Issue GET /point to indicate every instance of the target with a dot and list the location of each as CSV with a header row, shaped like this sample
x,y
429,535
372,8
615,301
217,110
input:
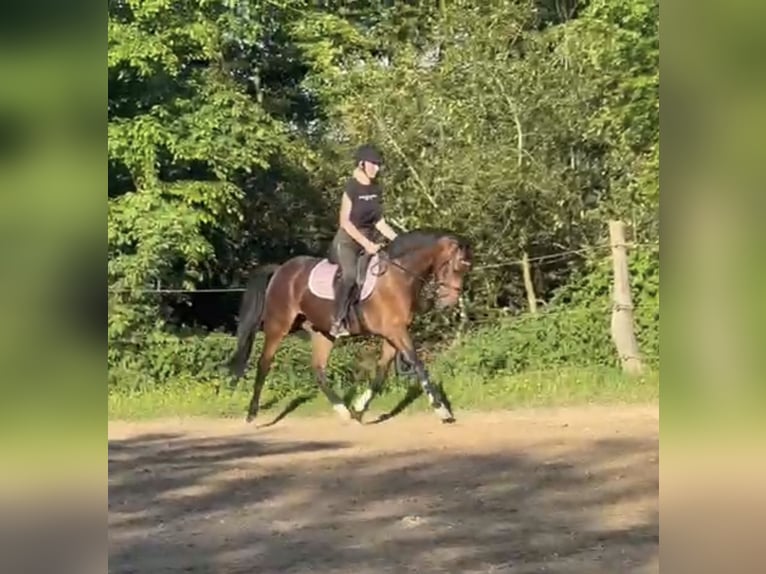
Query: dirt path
x,y
565,490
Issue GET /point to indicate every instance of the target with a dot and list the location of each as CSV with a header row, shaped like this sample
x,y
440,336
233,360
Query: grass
x,y
574,386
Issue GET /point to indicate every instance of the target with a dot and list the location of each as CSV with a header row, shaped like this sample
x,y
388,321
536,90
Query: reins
x,y
383,256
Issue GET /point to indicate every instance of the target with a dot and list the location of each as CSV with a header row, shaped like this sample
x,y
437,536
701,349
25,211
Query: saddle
x,y
325,273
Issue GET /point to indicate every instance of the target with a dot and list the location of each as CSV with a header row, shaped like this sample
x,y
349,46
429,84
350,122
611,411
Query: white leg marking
x,y
429,394
360,405
342,411
443,413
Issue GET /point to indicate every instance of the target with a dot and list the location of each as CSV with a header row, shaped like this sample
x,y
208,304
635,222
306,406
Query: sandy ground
x,y
564,490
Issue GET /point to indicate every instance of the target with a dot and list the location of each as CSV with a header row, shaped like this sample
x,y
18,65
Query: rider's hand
x,y
373,248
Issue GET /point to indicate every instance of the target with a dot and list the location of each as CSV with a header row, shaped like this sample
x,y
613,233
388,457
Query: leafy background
x,y
525,125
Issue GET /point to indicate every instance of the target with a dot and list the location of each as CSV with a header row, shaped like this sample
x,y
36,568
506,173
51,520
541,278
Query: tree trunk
x,y
528,285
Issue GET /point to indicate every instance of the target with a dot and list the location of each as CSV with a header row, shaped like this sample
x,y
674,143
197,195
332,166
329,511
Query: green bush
x,y
167,359
591,288
529,343
571,332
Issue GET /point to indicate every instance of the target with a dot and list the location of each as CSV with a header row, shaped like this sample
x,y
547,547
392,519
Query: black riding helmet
x,y
368,153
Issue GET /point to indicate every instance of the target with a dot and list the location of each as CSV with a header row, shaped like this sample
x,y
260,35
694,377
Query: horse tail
x,y
250,317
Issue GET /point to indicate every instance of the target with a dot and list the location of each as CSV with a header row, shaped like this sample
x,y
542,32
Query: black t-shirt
x,y
366,204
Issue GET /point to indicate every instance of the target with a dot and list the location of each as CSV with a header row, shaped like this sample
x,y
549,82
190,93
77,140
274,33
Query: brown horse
x,y
280,300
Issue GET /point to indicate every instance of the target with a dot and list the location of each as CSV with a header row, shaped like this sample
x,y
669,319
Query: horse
x,y
297,294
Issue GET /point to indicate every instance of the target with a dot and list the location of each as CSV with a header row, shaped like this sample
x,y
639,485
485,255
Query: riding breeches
x,y
346,252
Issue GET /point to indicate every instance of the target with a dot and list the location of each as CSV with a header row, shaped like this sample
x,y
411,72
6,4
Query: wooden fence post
x,y
528,285
623,330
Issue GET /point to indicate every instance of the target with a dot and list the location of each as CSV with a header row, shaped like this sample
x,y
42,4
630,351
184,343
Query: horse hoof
x,y
357,415
449,420
250,417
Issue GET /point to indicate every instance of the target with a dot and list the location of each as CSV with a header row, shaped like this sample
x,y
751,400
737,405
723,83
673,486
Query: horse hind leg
x,y
321,346
275,331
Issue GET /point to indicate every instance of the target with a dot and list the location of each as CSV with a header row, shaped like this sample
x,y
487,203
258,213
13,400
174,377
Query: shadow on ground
x,y
264,506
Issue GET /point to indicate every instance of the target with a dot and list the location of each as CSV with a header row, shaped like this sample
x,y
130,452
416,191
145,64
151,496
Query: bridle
x,y
383,257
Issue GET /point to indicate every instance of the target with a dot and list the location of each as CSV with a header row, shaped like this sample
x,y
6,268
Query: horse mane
x,y
421,238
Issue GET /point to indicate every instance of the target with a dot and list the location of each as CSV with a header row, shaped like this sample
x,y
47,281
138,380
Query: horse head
x,y
440,253
452,261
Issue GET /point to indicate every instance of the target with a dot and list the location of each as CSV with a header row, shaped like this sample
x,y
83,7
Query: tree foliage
x,y
524,125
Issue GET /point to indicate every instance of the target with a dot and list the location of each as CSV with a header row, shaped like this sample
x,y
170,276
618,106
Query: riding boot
x,y
342,295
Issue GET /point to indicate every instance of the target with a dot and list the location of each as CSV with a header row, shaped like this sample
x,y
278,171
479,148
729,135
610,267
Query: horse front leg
x,y
387,354
403,343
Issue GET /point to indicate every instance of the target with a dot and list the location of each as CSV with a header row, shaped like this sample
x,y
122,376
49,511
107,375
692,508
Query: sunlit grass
x,y
541,388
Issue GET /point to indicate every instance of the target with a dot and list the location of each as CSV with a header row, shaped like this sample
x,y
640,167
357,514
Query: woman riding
x,y
361,214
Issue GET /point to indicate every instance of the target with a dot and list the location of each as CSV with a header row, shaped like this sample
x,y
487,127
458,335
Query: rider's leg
x,y
346,254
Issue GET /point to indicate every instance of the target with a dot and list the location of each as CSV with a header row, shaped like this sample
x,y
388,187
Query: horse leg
x,y
403,343
321,346
384,362
274,332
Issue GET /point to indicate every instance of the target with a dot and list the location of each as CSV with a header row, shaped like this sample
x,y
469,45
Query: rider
x,y
361,214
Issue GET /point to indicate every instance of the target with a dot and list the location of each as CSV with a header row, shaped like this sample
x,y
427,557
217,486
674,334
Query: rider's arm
x,y
350,228
383,226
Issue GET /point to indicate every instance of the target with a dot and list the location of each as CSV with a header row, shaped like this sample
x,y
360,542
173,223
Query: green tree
x,y
524,125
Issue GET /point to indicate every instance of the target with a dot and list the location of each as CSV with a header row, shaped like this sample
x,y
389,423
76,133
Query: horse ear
x,y
454,246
